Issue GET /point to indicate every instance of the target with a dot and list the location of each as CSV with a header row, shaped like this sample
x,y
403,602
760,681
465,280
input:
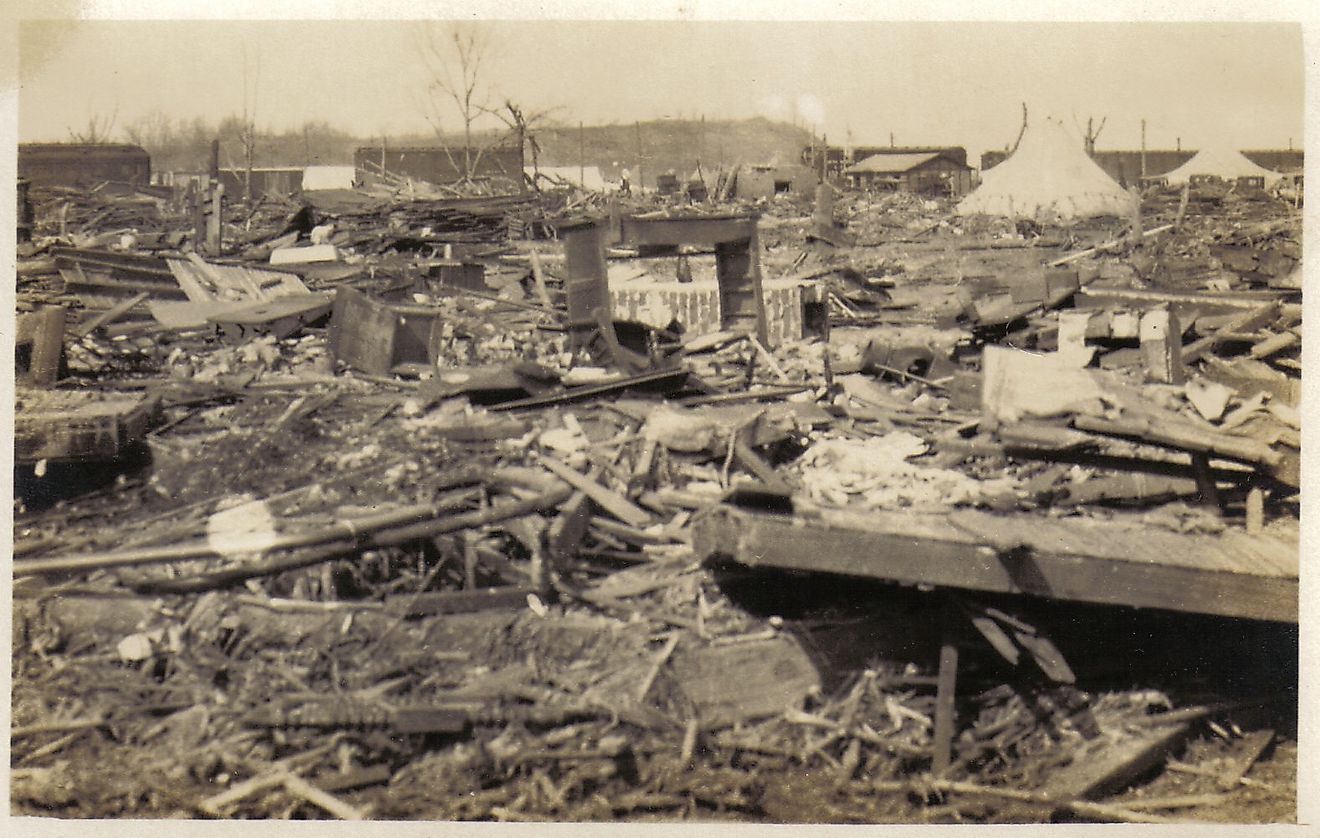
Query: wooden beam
x,y
945,703
607,499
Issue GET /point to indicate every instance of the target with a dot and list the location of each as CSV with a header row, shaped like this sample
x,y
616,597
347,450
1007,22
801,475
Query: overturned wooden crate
x,y
64,426
376,336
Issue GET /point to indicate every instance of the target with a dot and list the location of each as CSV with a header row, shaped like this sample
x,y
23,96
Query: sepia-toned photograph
x,y
675,421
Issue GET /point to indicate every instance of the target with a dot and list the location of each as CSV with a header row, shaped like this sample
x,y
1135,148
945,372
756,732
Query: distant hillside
x,y
668,144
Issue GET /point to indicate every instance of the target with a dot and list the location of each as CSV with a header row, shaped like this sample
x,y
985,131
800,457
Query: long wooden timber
x,y
1112,562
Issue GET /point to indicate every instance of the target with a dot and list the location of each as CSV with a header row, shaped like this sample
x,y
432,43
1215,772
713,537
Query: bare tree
x,y
248,132
99,127
525,128
1092,133
455,55
154,131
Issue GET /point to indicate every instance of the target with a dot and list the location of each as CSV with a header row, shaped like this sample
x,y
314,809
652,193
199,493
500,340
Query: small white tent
x,y
1049,177
1226,163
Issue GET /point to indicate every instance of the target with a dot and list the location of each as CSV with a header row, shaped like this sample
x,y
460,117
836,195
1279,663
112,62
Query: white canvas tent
x,y
1049,177
328,177
1226,163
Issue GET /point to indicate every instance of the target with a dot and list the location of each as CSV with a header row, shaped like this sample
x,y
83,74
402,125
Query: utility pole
x,y
582,156
891,139
1143,149
701,146
641,174
1180,143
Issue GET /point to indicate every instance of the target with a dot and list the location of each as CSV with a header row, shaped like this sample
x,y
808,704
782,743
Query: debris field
x,y
409,503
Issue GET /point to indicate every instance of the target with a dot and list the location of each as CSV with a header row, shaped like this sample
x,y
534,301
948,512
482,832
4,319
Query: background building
x,y
83,164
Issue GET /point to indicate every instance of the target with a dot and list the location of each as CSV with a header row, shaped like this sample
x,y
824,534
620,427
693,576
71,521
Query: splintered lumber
x,y
610,501
752,462
1113,561
1247,321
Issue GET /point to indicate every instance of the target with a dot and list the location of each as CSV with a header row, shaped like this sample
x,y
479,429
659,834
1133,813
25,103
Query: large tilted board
x,y
1229,573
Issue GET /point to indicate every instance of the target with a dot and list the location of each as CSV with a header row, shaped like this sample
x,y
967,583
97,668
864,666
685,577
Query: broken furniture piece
x,y
741,300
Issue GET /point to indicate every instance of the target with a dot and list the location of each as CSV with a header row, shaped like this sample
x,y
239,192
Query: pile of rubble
x,y
375,508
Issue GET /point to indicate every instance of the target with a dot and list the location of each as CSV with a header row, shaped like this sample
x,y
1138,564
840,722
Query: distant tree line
x,y
185,144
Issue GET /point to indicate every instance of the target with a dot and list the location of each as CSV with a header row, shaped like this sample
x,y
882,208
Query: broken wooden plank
x,y
538,276
1249,750
744,681
42,331
1109,764
1273,345
750,461
607,499
945,704
1109,245
458,602
568,529
1180,434
109,316
1131,486
1255,510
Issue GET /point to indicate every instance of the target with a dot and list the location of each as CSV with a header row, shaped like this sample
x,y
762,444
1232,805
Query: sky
x,y
925,83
